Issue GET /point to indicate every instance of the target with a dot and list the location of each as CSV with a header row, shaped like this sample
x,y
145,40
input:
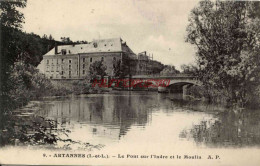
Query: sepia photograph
x,y
130,82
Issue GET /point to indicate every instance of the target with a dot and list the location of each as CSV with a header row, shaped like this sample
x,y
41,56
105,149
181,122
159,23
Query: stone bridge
x,y
177,83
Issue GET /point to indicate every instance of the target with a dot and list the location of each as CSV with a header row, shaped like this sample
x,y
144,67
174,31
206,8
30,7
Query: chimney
x,y
56,49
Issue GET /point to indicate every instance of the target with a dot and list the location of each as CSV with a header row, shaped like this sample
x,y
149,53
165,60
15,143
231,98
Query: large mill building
x,y
73,61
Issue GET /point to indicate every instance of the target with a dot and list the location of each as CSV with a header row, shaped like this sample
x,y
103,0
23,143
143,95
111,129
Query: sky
x,y
155,26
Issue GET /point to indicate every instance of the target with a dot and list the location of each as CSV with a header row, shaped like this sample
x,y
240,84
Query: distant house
x,y
73,61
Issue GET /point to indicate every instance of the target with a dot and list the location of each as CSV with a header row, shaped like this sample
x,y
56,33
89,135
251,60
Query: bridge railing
x,y
164,76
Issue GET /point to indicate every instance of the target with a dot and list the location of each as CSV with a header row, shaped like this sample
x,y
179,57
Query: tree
x,y
121,68
45,36
97,70
227,39
189,69
10,16
11,22
51,38
169,71
66,40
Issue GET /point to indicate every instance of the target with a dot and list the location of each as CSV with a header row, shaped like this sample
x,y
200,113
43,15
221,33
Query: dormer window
x,y
95,44
63,51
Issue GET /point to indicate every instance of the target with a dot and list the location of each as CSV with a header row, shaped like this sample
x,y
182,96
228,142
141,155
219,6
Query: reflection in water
x,y
229,129
112,118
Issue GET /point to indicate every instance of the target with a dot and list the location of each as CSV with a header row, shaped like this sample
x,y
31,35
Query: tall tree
x,y
51,38
227,36
11,21
96,70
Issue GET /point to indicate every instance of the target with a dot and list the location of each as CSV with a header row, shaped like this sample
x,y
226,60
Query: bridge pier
x,y
162,89
184,91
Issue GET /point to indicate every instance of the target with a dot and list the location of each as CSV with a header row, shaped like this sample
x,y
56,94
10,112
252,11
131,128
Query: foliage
x,y
97,70
121,68
227,39
169,71
66,40
10,17
81,87
189,69
20,81
11,20
210,95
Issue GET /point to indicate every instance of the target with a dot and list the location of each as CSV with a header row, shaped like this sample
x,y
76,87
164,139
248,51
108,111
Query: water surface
x,y
142,119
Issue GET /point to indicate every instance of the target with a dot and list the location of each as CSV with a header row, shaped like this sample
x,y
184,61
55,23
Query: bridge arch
x,y
185,82
181,81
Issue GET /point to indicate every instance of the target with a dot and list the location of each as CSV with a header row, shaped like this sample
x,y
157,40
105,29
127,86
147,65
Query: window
x,y
77,72
62,60
83,66
90,60
102,58
57,61
83,59
62,72
52,69
47,69
70,61
57,68
69,66
83,71
69,74
63,51
95,44
47,61
114,59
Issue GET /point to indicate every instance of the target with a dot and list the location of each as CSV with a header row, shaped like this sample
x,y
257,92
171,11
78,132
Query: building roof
x,y
104,45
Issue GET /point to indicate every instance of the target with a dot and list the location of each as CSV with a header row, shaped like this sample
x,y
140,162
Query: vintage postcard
x,y
130,82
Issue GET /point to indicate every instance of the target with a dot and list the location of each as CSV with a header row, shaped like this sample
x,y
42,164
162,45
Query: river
x,y
141,122
151,117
